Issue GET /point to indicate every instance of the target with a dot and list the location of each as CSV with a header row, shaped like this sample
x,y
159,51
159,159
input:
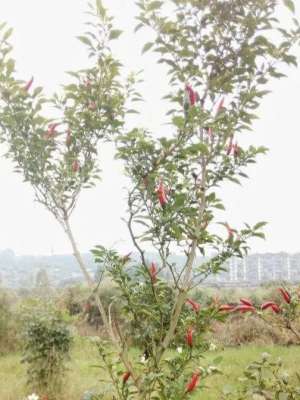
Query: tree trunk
x,y
108,327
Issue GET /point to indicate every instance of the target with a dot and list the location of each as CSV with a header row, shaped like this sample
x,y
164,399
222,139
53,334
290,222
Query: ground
x,y
84,372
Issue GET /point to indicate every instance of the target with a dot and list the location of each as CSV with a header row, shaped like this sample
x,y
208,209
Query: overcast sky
x,y
45,47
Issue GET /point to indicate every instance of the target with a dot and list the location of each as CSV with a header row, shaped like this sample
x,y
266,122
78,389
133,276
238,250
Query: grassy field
x,y
83,376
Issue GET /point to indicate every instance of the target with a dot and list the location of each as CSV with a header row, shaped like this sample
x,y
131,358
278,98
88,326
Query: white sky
x,y
45,47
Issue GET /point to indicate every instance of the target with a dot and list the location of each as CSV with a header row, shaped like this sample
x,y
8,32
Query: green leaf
x,y
7,34
85,40
179,122
154,5
259,235
138,27
147,47
10,66
114,34
37,91
101,10
259,225
290,5
198,148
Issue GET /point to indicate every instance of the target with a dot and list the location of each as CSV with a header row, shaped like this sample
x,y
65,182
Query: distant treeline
x,y
62,270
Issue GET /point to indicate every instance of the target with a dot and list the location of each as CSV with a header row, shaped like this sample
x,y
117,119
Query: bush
x,y
47,343
238,330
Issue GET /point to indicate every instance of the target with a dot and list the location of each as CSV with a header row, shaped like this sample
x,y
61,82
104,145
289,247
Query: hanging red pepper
x,y
189,337
243,308
75,166
272,305
126,376
230,146
153,272
194,304
267,305
236,150
191,97
51,132
192,384
285,294
28,85
161,194
246,302
276,308
230,231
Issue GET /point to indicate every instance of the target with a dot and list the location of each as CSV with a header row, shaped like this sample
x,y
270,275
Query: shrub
x,y
238,330
47,343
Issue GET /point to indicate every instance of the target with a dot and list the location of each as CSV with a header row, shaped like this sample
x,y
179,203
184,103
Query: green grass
x,y
236,359
83,376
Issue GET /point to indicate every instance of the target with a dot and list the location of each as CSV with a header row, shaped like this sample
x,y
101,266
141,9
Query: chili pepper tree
x,y
221,58
59,156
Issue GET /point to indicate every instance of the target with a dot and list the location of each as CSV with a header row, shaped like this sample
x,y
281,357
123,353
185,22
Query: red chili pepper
x,y
243,308
221,105
272,305
285,294
75,166
275,308
51,133
247,302
28,85
161,193
226,307
267,305
194,304
191,97
230,146
192,384
153,272
230,231
189,337
236,150
126,376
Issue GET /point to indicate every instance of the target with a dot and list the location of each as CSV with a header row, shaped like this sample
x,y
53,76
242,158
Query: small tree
x,y
47,343
220,57
59,157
